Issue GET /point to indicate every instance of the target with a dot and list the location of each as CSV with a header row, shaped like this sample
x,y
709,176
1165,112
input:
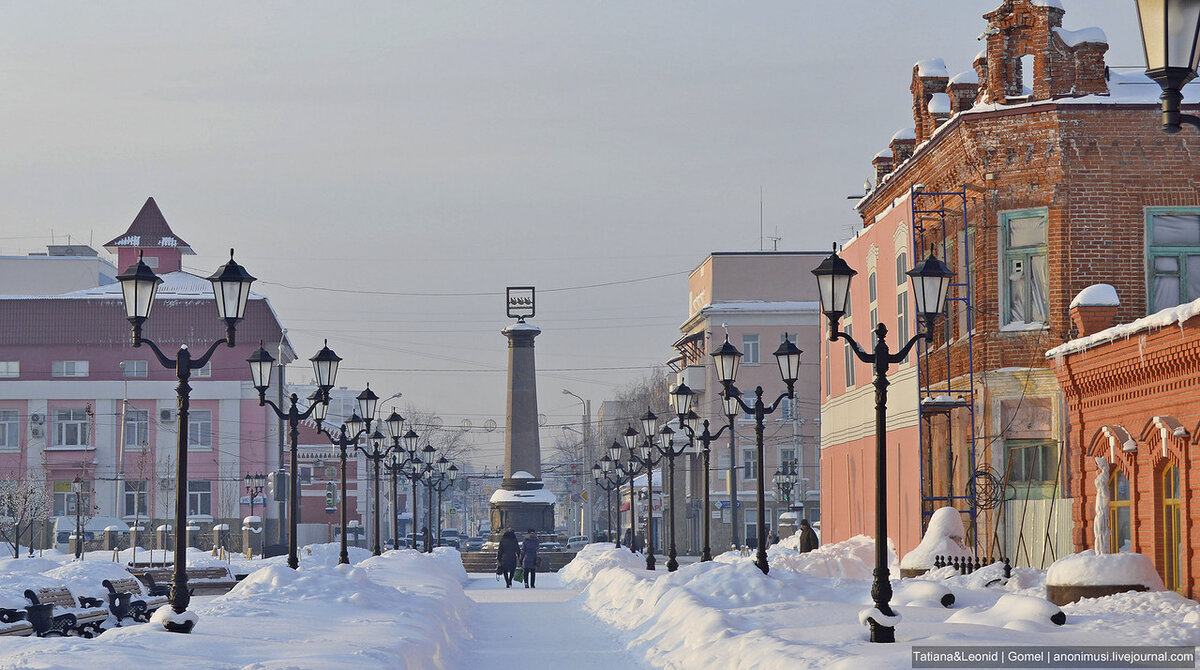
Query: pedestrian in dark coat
x,y
506,557
529,555
808,537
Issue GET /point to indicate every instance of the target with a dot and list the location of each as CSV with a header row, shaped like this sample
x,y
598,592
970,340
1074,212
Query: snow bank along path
x,y
542,627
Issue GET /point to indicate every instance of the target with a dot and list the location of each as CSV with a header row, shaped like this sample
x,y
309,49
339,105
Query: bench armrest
x,y
11,616
85,601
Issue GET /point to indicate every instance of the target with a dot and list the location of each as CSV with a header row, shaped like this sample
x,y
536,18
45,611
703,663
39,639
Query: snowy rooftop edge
x,y
1160,319
174,285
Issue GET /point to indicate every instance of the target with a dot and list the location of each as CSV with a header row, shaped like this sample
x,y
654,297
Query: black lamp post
x,y
254,487
631,469
442,480
615,474
1171,37
646,451
411,469
325,365
231,287
682,401
428,473
378,452
601,474
931,282
785,481
666,447
354,428
77,491
727,359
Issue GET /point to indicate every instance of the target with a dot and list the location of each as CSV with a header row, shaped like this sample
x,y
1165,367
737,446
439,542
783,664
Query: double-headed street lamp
x,y
666,447
609,475
785,482
378,452
354,428
727,360
254,487
325,365
404,455
440,478
1171,37
931,282
644,449
682,401
231,287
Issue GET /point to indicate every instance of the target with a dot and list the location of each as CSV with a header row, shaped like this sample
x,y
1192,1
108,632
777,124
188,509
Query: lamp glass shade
x,y
411,440
320,408
452,471
931,284
649,423
631,439
354,424
1170,33
325,366
614,451
367,400
262,363
691,420
139,285
729,400
606,464
442,464
643,449
260,480
788,358
377,440
682,398
395,425
231,286
596,471
429,452
668,437
833,285
726,359
249,480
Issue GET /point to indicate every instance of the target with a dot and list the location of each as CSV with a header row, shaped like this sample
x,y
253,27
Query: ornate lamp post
x,y
1171,37
666,447
354,428
727,359
411,468
601,472
77,491
682,401
646,451
441,481
632,467
325,365
231,287
378,452
930,281
254,487
428,474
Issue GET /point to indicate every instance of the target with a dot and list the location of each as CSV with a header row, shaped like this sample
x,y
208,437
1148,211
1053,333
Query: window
x,y
1033,461
9,423
902,318
71,428
200,429
1119,517
1174,257
786,456
785,409
10,369
1171,511
1025,291
850,358
64,499
901,268
749,463
749,349
199,497
874,320
204,372
137,428
69,369
871,287
134,368
135,498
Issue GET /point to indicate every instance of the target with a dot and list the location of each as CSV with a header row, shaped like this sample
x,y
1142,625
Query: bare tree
x,y
450,441
23,502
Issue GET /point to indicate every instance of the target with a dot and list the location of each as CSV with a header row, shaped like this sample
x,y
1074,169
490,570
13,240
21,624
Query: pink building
x,y
77,400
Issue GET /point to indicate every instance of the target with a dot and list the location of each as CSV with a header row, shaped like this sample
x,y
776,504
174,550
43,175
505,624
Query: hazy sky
x,y
387,168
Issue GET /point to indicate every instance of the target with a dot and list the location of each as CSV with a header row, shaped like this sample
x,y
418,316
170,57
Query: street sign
x,y
724,504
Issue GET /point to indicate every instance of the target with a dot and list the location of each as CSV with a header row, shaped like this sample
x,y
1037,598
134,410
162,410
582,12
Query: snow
x,y
534,496
521,474
1161,319
1012,611
943,537
521,326
909,133
745,306
886,153
1088,568
932,67
1097,294
965,77
1055,4
939,103
1073,38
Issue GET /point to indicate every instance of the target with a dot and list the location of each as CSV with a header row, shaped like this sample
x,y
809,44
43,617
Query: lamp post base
x,y
175,622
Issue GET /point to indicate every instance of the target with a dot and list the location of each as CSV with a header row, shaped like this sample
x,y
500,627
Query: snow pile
x,y
596,557
1097,294
852,559
1073,38
1090,569
1015,612
943,537
923,593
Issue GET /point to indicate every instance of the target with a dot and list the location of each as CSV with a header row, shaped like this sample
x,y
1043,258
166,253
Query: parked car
x,y
474,544
448,542
576,543
550,546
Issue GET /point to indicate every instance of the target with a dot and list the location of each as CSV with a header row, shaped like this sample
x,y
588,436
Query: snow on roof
x,y
909,133
1161,319
939,103
1089,568
965,77
932,67
886,153
538,496
174,285
732,306
1055,4
1097,294
982,55
521,326
1076,37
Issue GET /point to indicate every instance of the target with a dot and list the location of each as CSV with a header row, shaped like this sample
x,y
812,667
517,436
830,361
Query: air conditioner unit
x,y
37,418
166,415
164,484
35,431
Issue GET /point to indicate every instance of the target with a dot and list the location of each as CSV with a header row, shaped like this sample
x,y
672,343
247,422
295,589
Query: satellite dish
x,y
489,425
466,424
541,420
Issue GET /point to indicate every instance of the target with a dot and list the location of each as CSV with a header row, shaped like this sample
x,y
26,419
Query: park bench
x,y
12,622
201,581
84,615
126,599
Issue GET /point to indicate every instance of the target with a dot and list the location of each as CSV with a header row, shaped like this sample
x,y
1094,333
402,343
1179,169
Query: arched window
x,y
1172,545
1119,513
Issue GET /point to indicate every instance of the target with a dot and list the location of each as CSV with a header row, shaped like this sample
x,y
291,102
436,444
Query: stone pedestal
x,y
111,538
252,535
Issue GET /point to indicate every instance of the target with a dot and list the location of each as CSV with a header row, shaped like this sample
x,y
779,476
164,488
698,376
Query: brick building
x,y
1035,173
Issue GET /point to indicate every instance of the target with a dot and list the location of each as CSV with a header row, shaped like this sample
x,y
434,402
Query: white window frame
x,y
1025,256
137,425
1181,252
69,369
10,369
135,369
204,372
68,418
200,430
135,492
199,497
10,430
749,466
750,349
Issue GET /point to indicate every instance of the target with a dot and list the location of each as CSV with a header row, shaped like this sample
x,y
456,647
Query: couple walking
x,y
510,553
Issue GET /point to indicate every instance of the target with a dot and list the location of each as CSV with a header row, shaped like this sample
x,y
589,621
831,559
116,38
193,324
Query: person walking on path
x,y
506,557
529,555
808,537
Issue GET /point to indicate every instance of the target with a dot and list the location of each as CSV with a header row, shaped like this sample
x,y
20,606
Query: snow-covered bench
x,y
12,622
126,599
206,580
84,615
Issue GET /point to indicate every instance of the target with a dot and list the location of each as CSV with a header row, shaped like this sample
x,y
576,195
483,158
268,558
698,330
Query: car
x,y
474,544
448,542
576,543
550,546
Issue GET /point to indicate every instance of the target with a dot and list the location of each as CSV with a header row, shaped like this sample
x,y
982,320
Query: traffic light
x,y
277,484
330,496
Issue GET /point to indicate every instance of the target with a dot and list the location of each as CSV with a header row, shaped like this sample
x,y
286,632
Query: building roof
x,y
150,230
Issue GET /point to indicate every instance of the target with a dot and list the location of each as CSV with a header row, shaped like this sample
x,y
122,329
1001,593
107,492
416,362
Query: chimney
x,y
929,77
884,162
1095,309
963,91
939,110
903,144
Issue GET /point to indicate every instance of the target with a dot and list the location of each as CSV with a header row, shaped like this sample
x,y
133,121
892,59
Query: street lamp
x,y
682,401
646,450
931,282
77,491
427,475
378,452
441,481
354,428
325,365
631,469
726,359
730,401
411,469
254,487
1171,38
785,481
603,473
231,288
666,447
